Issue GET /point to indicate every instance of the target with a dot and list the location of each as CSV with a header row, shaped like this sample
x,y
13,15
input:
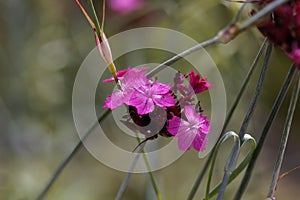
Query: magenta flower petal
x,y
146,95
191,114
185,142
190,132
160,88
115,100
173,125
205,124
199,85
146,107
107,102
142,103
132,78
165,100
200,142
120,75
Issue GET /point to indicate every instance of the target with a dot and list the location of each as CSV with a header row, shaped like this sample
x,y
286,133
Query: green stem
x,y
177,57
256,93
244,85
264,133
126,180
214,156
95,17
235,151
229,168
285,135
238,15
64,163
241,166
154,184
229,116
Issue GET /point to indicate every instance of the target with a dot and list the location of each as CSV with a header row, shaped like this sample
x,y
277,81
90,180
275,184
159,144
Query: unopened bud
x,y
105,52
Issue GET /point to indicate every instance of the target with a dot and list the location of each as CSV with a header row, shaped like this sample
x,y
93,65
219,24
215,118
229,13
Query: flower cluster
x,y
282,28
157,108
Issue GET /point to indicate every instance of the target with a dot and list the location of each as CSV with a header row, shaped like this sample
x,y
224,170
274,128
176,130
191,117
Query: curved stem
x,y
235,151
285,135
229,168
264,133
214,156
256,93
240,167
229,116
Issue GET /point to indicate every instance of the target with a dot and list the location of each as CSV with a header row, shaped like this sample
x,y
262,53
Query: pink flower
x,y
134,78
120,75
191,131
124,6
199,85
146,96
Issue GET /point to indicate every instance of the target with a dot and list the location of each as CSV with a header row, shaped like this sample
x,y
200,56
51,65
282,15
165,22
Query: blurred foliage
x,y
42,44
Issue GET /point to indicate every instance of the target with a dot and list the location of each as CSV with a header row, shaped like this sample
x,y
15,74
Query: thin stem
x,y
200,176
285,135
234,29
267,9
154,184
265,131
239,13
103,15
240,167
225,35
235,151
256,93
228,117
95,17
244,85
174,59
126,180
64,163
230,166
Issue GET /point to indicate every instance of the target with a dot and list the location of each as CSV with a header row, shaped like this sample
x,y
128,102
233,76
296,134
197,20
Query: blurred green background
x,y
42,44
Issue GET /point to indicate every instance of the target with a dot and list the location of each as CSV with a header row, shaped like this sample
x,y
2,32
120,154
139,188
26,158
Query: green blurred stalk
x,y
95,17
285,136
64,163
153,182
265,132
231,162
229,115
